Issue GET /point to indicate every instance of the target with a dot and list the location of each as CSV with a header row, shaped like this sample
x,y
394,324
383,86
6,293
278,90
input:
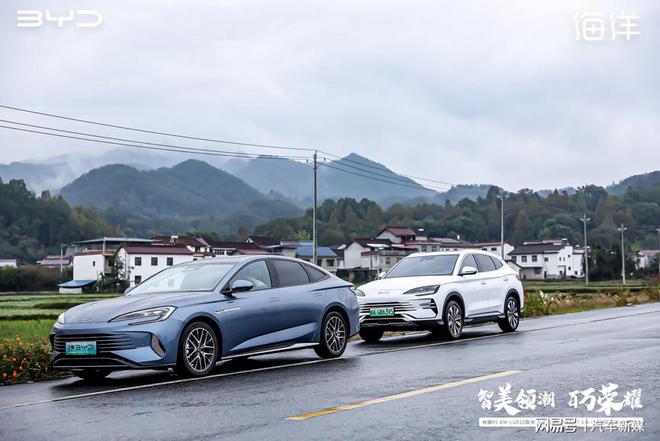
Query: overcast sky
x,y
464,92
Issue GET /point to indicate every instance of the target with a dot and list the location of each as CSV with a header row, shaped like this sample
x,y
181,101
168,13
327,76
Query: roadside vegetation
x,y
25,323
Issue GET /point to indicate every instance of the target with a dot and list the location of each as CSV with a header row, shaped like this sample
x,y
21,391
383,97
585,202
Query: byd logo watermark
x,y
81,18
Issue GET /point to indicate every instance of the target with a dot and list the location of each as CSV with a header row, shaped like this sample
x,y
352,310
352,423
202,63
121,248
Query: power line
x,y
192,149
393,176
362,164
198,138
154,132
166,149
378,179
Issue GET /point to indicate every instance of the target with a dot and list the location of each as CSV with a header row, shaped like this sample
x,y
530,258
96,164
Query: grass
x,y
27,329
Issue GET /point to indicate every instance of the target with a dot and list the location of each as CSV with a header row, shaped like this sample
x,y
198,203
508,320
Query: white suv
x,y
441,292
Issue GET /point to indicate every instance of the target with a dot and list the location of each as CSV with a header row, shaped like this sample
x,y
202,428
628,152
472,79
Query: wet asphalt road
x,y
251,399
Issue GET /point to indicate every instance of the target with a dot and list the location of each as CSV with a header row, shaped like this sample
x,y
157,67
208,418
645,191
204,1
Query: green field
x,y
32,315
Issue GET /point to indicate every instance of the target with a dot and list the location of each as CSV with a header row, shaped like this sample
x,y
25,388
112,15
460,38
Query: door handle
x,y
506,280
274,299
483,282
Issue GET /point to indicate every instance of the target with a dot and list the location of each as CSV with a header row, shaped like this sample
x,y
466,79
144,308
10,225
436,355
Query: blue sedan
x,y
192,315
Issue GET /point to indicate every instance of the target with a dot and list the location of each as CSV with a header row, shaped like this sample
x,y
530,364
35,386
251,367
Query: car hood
x,y
103,311
399,285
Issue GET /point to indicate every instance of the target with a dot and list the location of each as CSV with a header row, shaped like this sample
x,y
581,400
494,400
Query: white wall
x,y
353,255
390,236
90,266
146,269
497,249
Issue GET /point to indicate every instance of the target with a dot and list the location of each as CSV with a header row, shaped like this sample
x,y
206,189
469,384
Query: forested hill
x,y
528,216
31,227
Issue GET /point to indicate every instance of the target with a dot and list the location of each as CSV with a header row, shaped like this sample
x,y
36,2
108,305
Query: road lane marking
x,y
412,393
311,362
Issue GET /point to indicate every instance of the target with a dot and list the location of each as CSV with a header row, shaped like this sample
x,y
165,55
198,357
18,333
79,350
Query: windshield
x,y
442,265
197,277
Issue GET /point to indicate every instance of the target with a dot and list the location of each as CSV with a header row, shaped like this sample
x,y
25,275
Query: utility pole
x,y
658,253
623,228
584,220
501,196
61,259
316,166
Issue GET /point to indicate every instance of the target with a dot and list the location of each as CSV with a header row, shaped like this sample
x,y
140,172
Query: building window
x,y
537,271
170,261
569,268
331,262
138,261
154,261
138,279
493,249
524,258
423,248
545,259
93,262
387,261
534,258
319,262
434,248
513,258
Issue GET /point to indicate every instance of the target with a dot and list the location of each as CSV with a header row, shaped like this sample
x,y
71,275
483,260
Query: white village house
x,y
141,262
548,259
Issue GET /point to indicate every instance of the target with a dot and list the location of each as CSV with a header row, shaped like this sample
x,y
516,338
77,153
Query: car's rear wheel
x,y
199,350
334,336
453,318
371,335
511,318
93,375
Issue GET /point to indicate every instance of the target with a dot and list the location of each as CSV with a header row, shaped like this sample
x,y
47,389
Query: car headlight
x,y
359,292
60,319
146,315
423,290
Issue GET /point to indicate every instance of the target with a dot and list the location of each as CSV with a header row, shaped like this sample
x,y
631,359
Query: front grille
x,y
398,307
104,342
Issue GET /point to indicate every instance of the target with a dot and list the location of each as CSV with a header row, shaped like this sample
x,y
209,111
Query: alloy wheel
x,y
512,314
199,349
454,320
335,334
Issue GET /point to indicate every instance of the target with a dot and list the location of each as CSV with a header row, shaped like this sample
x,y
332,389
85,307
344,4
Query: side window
x,y
496,262
257,273
484,263
468,261
314,274
290,273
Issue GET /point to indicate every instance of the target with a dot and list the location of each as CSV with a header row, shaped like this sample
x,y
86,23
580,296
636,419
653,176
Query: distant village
x,y
132,260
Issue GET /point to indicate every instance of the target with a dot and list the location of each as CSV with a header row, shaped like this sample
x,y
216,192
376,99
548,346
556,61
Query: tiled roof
x,y
320,252
156,249
263,241
363,241
399,231
537,248
192,241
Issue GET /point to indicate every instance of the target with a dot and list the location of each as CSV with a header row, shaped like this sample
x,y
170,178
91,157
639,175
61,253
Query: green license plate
x,y
381,312
80,348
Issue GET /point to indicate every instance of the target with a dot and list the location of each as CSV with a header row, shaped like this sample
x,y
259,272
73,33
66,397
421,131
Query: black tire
x,y
512,314
453,319
93,375
334,336
196,357
371,335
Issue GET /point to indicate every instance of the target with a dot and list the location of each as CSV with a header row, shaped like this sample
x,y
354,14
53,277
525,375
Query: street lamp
x,y
501,196
622,229
584,220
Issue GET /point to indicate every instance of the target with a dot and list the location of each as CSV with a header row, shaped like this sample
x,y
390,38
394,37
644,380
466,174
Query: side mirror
x,y
240,286
381,275
468,271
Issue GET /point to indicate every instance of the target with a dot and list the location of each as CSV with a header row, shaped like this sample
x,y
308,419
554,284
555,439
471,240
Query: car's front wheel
x,y
199,350
453,320
334,336
93,375
511,318
371,335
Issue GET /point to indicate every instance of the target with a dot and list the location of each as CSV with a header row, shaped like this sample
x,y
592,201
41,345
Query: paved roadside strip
x,y
412,393
318,361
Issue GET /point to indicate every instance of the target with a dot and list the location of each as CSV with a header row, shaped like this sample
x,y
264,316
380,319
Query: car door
x,y
252,319
475,297
489,284
302,301
500,285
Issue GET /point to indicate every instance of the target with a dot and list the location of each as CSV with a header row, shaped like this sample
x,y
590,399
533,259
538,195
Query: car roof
x,y
454,253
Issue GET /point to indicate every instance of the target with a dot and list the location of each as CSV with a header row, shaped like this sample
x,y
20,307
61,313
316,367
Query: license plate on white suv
x,y
381,312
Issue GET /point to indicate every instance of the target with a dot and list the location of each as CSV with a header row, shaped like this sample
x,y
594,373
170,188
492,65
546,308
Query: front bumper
x,y
118,345
409,314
